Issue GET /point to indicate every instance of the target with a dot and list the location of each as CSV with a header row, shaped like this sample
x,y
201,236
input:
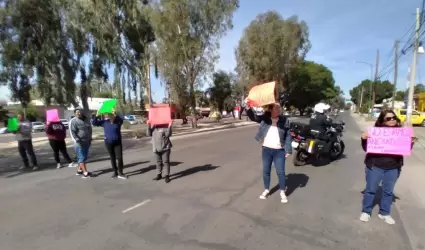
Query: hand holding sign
x,y
392,141
261,95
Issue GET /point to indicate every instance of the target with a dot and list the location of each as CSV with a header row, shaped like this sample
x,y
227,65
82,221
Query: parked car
x,y
417,118
65,123
37,127
3,131
132,121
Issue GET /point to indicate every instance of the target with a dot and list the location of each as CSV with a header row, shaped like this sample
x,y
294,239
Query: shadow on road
x,y
293,181
324,161
109,170
150,168
193,170
378,196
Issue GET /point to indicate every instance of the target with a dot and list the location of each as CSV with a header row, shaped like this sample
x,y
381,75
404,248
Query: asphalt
x,y
211,203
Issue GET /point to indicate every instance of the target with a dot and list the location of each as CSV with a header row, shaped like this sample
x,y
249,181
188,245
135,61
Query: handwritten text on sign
x,y
393,141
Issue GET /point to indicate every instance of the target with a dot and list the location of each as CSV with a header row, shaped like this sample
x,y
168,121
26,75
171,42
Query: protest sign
x,y
107,107
159,114
12,124
52,115
262,94
392,141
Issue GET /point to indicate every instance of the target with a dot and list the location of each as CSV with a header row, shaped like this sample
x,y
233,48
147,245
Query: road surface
x,y
211,203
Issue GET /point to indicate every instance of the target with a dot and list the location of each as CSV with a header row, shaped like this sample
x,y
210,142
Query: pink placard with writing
x,y
52,115
392,141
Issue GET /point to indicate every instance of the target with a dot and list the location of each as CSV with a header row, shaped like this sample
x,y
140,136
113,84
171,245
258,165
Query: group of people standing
x,y
80,130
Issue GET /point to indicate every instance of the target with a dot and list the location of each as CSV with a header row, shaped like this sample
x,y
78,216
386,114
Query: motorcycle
x,y
309,143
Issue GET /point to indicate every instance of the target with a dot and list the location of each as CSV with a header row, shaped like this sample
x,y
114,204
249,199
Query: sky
x,y
341,32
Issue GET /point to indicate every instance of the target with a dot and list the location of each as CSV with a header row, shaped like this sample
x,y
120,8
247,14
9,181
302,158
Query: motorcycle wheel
x,y
337,150
300,158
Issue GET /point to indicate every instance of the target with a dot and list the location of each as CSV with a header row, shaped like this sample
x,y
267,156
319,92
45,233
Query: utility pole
x,y
395,71
372,86
413,72
361,97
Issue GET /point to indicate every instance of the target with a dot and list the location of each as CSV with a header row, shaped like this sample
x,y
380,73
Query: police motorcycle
x,y
312,145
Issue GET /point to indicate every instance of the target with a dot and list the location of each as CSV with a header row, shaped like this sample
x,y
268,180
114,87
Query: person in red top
x,y
56,132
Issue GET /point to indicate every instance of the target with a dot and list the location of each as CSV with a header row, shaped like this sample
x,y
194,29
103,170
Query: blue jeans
x,y
373,177
276,156
82,151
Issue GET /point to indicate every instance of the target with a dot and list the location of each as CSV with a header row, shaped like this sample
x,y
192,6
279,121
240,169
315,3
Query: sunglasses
x,y
387,119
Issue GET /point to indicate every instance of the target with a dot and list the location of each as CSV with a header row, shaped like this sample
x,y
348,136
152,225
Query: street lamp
x,y
371,80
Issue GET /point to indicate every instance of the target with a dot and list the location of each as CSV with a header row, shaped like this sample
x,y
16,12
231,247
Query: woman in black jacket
x,y
381,167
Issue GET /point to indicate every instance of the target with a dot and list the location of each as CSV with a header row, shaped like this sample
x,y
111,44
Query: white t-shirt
x,y
272,139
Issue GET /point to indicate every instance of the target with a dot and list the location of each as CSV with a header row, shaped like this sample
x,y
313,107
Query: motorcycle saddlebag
x,y
316,146
300,128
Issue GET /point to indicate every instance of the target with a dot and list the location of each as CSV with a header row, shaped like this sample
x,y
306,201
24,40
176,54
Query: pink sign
x,y
392,141
52,115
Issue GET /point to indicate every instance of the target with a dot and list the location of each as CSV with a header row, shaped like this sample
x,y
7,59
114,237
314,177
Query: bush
x,y
126,124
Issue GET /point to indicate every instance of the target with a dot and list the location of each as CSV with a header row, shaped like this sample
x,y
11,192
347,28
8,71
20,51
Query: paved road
x,y
211,203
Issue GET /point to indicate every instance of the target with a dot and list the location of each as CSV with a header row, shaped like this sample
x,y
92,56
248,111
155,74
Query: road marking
x,y
136,206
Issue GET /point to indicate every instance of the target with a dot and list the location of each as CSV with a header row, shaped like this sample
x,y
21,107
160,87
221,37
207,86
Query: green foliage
x,y
220,90
384,90
103,94
313,83
31,112
270,49
188,32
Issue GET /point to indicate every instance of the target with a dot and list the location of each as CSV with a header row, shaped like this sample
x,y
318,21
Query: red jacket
x,y
56,131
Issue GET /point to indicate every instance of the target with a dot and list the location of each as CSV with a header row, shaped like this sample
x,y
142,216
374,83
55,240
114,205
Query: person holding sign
x,y
276,140
111,124
381,167
24,138
161,145
56,133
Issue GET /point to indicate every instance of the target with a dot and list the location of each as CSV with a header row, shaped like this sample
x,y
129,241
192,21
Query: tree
x,y
188,32
220,90
270,49
383,90
399,95
419,88
313,83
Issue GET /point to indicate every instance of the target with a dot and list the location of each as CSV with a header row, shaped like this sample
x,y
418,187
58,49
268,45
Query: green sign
x,y
12,124
107,107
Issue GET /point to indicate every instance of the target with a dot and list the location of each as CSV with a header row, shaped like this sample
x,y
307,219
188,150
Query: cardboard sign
x,y
107,107
52,115
392,141
261,95
159,115
12,124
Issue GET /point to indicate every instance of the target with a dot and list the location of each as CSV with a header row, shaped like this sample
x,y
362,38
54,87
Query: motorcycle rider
x,y
320,122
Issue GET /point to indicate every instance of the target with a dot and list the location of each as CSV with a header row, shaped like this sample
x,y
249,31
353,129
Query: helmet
x,y
320,108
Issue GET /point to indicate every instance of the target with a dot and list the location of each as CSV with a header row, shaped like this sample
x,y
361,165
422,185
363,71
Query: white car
x,y
37,127
133,121
65,123
3,131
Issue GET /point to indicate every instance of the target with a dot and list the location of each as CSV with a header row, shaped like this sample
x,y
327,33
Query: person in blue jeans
x,y
275,137
381,168
81,134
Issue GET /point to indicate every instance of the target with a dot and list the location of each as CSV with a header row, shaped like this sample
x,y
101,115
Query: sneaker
x,y
86,175
167,179
58,165
283,197
365,217
23,168
264,195
79,173
387,218
114,176
122,177
72,165
35,168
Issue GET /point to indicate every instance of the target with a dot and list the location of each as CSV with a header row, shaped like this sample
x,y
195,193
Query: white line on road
x,y
136,206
